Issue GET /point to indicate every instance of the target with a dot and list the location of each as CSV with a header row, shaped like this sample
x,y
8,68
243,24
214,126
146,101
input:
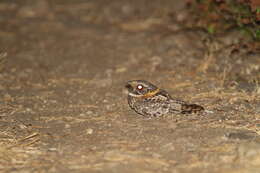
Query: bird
x,y
150,101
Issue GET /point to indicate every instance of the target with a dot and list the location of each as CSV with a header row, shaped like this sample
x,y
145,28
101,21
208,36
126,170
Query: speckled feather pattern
x,y
157,104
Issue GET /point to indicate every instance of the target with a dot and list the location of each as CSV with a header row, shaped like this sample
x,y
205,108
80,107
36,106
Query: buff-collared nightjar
x,y
148,100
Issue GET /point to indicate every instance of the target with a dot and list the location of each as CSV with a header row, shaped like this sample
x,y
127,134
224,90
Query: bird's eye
x,y
139,87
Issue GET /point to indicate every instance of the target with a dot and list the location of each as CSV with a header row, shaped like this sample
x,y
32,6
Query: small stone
x,y
22,126
82,115
89,112
7,97
52,149
28,109
121,70
90,131
147,149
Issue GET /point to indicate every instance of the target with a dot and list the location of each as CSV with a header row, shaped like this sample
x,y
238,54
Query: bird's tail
x,y
191,108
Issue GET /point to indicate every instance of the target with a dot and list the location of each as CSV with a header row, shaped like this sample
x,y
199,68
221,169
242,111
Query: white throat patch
x,y
134,95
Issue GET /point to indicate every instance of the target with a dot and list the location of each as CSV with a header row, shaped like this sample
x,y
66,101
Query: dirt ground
x,y
63,105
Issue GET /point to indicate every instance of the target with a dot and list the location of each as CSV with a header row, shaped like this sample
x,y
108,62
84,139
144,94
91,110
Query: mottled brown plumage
x,y
150,101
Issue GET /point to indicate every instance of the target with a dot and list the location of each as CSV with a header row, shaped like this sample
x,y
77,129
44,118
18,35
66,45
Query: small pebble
x,y
89,131
89,112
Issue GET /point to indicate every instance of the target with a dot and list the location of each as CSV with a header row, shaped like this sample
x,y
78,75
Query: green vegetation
x,y
217,16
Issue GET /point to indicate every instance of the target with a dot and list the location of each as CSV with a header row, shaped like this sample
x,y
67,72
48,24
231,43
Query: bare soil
x,y
63,105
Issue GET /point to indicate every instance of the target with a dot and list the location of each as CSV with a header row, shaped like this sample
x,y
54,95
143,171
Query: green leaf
x,y
257,34
211,29
258,10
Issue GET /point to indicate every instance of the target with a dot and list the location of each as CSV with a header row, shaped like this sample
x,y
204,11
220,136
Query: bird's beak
x,y
129,86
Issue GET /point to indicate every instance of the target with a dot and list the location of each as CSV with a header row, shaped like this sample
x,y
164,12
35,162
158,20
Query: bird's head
x,y
140,88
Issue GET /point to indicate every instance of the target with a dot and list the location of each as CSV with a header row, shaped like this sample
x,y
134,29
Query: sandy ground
x,y
63,106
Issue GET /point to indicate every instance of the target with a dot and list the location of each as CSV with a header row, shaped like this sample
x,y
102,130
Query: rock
x,y
90,131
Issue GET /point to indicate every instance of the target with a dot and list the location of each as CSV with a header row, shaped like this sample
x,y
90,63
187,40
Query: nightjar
x,y
150,101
